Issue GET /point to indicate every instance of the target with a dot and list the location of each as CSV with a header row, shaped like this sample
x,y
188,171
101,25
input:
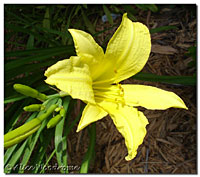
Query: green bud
x,y
54,121
34,107
19,134
62,112
57,109
28,91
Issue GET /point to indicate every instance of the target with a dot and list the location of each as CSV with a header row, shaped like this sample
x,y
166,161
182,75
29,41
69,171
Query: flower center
x,y
112,93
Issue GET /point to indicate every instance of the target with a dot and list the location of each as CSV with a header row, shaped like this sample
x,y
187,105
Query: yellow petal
x,y
151,97
73,77
91,113
127,51
130,123
89,51
85,44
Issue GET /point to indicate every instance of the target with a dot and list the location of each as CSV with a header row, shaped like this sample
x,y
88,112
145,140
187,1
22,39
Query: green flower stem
x,y
57,95
50,157
90,152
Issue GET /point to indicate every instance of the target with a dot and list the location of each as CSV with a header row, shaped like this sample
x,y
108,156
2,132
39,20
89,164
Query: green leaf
x,y
142,6
41,151
60,140
87,22
152,7
30,43
145,7
9,153
46,21
108,14
10,166
129,9
90,152
50,157
27,68
176,80
85,6
18,98
162,28
39,57
37,35
21,53
73,123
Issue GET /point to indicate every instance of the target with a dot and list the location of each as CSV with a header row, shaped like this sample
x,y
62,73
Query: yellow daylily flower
x,y
93,76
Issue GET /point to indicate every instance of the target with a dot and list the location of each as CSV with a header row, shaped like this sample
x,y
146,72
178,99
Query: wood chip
x,y
168,50
163,141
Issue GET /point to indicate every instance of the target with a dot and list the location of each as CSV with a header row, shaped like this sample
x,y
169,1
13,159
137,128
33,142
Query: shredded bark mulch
x,y
170,144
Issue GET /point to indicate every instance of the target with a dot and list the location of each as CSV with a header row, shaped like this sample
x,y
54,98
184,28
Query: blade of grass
x,y
9,111
40,57
70,126
38,36
26,68
10,100
152,7
21,53
30,42
60,145
8,153
41,151
142,6
88,23
177,80
14,43
50,157
10,166
162,28
46,21
66,103
129,9
108,14
90,152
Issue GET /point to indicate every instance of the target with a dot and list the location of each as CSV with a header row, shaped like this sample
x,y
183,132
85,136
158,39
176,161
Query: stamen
x,y
121,93
113,93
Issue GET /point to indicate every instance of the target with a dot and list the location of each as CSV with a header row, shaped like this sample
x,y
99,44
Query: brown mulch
x,y
170,144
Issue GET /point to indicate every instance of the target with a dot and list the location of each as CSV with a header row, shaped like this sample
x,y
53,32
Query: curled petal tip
x,y
78,130
125,15
185,107
130,157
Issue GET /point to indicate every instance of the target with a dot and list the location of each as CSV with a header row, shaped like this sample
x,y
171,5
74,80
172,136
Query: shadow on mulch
x,y
170,144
